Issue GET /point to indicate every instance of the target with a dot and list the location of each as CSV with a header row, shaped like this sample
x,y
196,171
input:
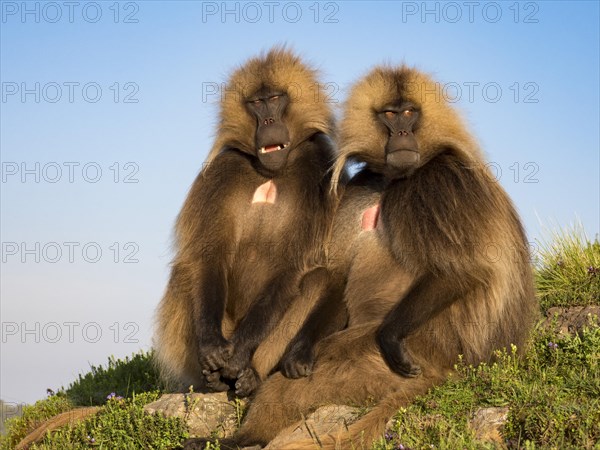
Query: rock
x,y
487,424
171,405
570,320
325,420
390,424
205,414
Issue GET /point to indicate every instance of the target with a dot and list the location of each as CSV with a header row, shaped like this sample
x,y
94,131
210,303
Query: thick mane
x,y
250,232
444,271
279,69
363,137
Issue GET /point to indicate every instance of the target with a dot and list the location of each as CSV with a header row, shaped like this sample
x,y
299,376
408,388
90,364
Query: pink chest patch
x,y
265,193
370,218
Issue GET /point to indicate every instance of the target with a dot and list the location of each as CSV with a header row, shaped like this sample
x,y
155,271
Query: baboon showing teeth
x,y
249,238
437,262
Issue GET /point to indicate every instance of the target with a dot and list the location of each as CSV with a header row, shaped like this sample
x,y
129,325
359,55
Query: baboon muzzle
x,y
272,143
402,153
402,149
272,136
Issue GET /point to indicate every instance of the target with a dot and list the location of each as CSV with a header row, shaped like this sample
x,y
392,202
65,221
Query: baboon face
x,y
269,107
396,120
272,140
402,154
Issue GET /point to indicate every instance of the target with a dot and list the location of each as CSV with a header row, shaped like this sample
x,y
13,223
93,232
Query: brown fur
x,y
67,418
218,231
439,233
280,69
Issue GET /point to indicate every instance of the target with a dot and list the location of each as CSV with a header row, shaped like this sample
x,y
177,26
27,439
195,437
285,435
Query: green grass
x,y
18,427
552,392
553,395
120,424
123,377
568,272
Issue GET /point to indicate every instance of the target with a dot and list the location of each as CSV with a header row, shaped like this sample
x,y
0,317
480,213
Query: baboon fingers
x,y
247,382
297,362
233,369
397,358
213,381
215,356
411,371
297,369
213,364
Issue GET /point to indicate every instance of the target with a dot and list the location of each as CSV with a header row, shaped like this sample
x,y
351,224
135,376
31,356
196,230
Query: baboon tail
x,y
361,434
67,418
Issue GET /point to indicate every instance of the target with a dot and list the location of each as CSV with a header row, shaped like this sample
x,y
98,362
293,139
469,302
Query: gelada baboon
x,y
440,266
249,238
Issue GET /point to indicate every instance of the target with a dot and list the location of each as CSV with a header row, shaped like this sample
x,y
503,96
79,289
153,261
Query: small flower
x,y
552,345
91,439
593,271
114,396
400,447
388,436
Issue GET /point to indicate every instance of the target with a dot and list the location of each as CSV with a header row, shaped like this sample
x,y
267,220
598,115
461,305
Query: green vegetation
x,y
18,427
126,377
124,386
568,272
552,393
121,424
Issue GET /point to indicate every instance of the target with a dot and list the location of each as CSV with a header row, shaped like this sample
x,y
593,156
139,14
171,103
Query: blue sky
x,y
106,118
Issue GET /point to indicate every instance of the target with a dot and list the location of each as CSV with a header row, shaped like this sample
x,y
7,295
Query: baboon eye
x,y
407,112
275,97
256,102
390,114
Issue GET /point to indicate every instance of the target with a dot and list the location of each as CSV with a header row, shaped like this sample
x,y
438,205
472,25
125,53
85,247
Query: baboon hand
x,y
395,355
247,382
214,382
297,361
214,353
238,361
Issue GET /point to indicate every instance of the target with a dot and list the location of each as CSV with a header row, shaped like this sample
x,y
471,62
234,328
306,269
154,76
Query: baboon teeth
x,y
272,148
